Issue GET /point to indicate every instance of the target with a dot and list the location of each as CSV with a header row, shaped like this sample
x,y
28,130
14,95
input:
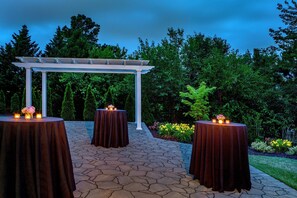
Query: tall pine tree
x,y
90,105
2,103
68,109
12,77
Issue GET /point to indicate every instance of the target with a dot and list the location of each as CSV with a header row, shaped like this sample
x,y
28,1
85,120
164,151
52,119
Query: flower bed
x,y
176,132
274,147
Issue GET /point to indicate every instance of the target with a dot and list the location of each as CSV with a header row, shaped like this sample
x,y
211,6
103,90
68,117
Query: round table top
x,y
23,120
118,110
217,124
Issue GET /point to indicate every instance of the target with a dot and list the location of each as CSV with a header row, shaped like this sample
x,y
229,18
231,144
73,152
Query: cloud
x,y
123,21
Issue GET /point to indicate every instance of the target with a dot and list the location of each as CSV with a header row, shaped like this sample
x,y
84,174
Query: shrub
x,y
182,132
2,102
197,99
15,103
281,145
90,105
262,147
68,109
292,151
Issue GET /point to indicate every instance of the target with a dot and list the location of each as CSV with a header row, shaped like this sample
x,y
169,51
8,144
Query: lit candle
x,y
17,116
38,116
220,121
106,108
27,116
214,120
227,121
115,109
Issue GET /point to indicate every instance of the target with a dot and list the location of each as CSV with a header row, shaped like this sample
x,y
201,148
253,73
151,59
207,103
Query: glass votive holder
x,y
227,121
220,121
38,115
214,120
27,116
17,116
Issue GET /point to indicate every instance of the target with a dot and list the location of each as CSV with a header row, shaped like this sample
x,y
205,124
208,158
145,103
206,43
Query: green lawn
x,y
282,169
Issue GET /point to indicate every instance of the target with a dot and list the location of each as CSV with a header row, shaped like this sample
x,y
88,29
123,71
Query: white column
x,y
28,86
44,93
135,99
138,100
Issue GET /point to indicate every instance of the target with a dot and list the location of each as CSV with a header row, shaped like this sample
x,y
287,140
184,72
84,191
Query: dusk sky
x,y
243,23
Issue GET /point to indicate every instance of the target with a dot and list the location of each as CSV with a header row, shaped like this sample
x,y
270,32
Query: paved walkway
x,y
148,168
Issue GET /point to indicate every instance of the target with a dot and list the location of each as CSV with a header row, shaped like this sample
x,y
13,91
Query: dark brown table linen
x,y
35,160
110,128
220,156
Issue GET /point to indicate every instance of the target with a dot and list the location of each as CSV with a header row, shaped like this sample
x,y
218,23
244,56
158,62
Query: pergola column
x,y
44,93
138,99
28,86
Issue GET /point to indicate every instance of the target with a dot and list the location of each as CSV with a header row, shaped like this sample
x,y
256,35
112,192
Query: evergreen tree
x,y
35,100
68,109
49,102
13,77
15,103
108,98
53,49
22,44
24,98
90,105
130,108
2,102
146,114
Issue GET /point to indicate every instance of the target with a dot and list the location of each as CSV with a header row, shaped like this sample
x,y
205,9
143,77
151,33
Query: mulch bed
x,y
251,151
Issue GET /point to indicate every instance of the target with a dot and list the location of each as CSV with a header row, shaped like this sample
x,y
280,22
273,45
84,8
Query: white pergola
x,y
82,65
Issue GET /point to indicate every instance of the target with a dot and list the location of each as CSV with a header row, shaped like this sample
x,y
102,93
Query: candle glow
x,y
27,116
17,115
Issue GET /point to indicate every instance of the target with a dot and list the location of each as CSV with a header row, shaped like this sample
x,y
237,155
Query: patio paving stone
x,y
148,168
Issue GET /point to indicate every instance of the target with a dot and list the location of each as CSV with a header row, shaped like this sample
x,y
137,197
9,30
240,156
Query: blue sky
x,y
243,23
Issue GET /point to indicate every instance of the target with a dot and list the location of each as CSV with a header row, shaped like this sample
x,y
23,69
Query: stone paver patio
x,y
147,168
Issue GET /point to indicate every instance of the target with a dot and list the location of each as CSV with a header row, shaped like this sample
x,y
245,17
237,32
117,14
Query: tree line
x,y
257,88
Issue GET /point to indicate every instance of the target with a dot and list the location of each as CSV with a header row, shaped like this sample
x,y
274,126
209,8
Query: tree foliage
x,y
257,88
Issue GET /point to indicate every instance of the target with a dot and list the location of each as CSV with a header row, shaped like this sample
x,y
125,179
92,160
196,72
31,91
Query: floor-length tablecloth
x,y
110,128
35,160
220,156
